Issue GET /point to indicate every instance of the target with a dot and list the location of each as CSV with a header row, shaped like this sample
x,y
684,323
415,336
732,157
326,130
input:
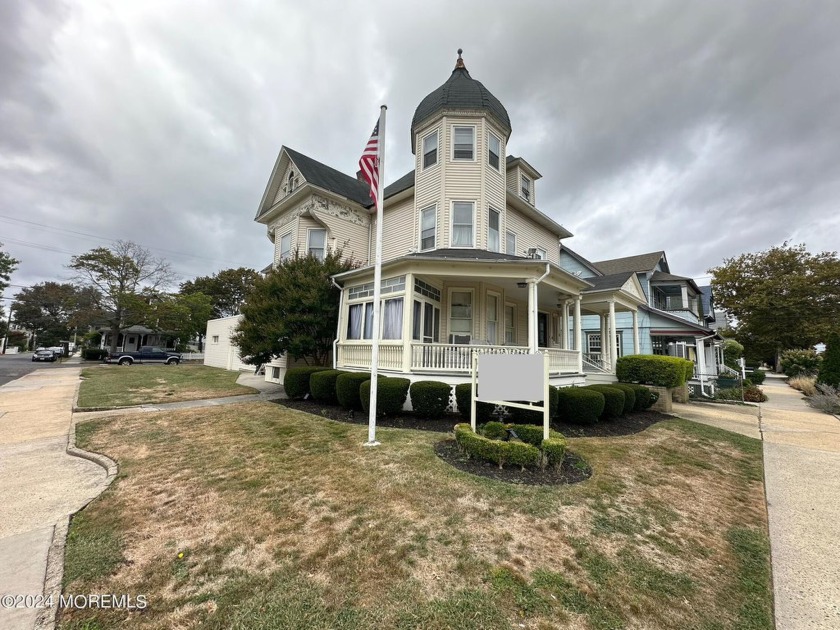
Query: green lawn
x,y
258,516
123,386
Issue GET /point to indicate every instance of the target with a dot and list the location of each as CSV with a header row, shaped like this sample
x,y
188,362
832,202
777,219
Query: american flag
x,y
369,163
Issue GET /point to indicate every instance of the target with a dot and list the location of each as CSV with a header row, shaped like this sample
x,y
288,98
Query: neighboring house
x,y
130,339
218,349
468,258
674,321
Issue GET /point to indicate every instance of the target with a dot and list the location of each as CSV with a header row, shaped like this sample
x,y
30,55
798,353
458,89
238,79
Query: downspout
x,y
338,325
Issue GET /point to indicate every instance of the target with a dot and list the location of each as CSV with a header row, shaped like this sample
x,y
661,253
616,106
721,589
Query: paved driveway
x,y
40,485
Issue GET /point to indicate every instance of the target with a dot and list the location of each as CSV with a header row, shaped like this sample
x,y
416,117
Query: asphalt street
x,y
14,366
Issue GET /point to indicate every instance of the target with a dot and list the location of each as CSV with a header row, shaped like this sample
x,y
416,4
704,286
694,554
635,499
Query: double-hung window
x,y
526,188
492,318
430,149
464,144
510,243
493,238
460,316
317,243
510,323
494,150
541,253
285,247
462,223
428,220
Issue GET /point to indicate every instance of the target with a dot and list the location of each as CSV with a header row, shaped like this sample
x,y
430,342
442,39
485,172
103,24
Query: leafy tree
x,y
53,311
782,298
292,309
184,316
7,268
226,289
732,351
127,280
830,368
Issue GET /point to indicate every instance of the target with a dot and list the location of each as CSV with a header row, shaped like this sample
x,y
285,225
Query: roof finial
x,y
460,62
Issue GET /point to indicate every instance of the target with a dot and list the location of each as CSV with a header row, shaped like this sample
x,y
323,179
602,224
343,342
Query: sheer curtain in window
x,y
354,326
462,224
392,321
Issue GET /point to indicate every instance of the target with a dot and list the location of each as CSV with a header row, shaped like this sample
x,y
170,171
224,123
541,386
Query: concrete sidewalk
x,y
40,484
802,481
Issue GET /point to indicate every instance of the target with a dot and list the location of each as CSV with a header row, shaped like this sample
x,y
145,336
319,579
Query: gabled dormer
x,y
521,179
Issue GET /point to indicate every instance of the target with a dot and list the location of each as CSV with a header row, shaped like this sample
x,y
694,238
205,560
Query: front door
x,y
542,330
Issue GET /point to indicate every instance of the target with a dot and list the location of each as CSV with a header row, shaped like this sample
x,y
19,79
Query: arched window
x,y
291,185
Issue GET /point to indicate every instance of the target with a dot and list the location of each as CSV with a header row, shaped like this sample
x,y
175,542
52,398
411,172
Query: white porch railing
x,y
562,361
594,363
358,355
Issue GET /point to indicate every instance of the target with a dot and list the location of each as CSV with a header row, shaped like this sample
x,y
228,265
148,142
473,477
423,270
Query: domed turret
x,y
463,93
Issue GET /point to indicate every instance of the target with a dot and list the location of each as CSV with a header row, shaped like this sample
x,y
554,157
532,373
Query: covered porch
x,y
435,311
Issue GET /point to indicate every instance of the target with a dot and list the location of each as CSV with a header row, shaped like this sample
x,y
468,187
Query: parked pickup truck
x,y
146,354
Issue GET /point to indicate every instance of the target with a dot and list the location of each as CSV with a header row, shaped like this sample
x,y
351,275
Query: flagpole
x,y
377,288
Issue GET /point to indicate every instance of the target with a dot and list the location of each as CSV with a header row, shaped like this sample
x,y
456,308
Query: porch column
x,y
684,297
532,317
635,332
701,362
578,333
564,325
605,346
408,313
613,350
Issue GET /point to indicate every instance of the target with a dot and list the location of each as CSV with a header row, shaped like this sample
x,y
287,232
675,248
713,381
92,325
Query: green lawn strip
x,y
123,386
284,519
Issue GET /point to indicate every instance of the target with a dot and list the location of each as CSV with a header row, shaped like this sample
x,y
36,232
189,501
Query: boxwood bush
x,y
322,386
347,389
613,401
296,381
483,410
496,451
757,376
629,397
94,354
579,405
390,395
526,416
652,369
430,399
645,397
554,450
494,431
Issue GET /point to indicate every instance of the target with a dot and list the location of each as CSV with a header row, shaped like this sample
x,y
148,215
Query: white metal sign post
x,y
511,377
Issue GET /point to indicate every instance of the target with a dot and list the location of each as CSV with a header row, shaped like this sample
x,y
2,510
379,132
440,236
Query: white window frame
x,y
215,339
522,188
423,165
309,240
449,310
512,340
288,253
474,143
542,254
507,249
498,320
498,213
490,137
452,225
420,247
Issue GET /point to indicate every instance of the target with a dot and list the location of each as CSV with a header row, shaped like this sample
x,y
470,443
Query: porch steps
x,y
600,378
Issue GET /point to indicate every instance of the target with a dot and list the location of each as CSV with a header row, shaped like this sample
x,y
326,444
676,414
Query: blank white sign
x,y
510,377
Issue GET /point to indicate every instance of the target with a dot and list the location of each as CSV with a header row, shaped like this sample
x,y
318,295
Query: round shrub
x,y
579,405
629,397
757,377
483,410
644,396
527,416
754,394
347,389
322,386
390,395
613,400
296,381
430,399
494,431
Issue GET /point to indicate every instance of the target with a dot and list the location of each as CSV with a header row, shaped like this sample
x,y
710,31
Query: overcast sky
x,y
702,128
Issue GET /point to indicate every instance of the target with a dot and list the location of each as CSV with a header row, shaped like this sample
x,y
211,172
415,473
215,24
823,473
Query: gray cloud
x,y
702,128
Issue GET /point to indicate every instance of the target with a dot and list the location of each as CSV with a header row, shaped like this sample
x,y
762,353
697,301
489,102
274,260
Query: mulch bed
x,y
627,425
574,468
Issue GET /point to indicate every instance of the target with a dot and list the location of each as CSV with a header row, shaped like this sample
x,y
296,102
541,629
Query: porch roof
x,y
674,318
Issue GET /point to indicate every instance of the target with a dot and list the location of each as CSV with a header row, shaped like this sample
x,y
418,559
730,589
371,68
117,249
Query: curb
x,y
54,574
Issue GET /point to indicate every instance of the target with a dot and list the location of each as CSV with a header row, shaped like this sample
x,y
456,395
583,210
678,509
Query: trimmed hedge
x,y
494,431
527,416
390,395
501,453
757,377
532,433
296,381
94,354
483,410
629,397
645,397
579,405
654,369
554,450
430,399
347,387
322,386
613,400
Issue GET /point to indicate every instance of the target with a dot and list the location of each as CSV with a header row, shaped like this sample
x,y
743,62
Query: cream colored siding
x,y
304,225
218,349
463,179
512,179
299,181
399,229
348,231
530,234
494,189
